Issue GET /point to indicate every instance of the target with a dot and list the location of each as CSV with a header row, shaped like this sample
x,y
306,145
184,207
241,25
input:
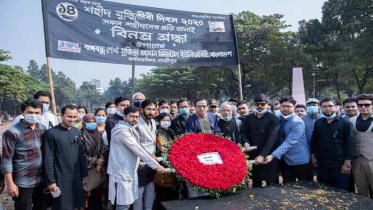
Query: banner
x,y
109,32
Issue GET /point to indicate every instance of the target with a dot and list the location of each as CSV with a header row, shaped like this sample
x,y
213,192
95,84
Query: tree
x,y
267,54
64,90
118,88
16,85
33,69
89,96
4,55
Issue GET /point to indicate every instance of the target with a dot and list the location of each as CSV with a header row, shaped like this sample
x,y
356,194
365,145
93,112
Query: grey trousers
x,y
146,197
122,207
362,169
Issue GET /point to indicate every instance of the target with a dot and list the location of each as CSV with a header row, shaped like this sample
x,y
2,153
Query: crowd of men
x,y
113,155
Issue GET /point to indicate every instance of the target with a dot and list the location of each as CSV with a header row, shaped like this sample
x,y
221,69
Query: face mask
x,y
337,110
120,113
166,111
111,110
137,104
260,112
91,126
234,108
80,117
32,119
277,112
331,116
286,116
165,124
226,119
45,108
100,119
312,109
184,111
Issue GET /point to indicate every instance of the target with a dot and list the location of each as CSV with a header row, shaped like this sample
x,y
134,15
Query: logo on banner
x,y
216,26
67,11
69,46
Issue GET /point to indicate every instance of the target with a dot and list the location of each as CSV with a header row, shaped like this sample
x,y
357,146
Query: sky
x,y
22,33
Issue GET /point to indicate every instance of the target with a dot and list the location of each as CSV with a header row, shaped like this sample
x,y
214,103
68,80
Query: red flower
x,y
184,158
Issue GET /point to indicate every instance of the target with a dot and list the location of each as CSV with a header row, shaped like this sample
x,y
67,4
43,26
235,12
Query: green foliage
x,y
89,97
4,55
16,86
118,88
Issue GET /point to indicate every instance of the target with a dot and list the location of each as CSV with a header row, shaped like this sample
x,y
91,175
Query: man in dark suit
x,y
178,124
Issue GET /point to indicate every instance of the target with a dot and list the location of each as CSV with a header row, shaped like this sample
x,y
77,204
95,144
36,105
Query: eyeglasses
x,y
286,106
260,104
328,107
133,116
364,105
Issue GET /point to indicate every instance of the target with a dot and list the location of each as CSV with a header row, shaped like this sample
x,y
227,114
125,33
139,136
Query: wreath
x,y
209,162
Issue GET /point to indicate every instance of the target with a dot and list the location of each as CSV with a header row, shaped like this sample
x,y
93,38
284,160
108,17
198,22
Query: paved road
x,y
3,128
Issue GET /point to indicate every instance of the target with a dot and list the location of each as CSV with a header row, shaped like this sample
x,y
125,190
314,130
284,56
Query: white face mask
x,y
111,111
287,116
32,118
45,108
80,117
166,111
165,124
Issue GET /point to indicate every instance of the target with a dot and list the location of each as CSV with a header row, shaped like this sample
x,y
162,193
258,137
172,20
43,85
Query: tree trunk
x,y
336,78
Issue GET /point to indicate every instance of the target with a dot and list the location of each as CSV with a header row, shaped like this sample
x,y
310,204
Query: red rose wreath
x,y
223,178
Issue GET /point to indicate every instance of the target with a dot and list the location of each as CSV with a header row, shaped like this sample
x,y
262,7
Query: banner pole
x,y
50,79
240,82
133,78
238,59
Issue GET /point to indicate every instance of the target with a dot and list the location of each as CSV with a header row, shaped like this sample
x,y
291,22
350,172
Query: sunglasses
x,y
364,105
260,104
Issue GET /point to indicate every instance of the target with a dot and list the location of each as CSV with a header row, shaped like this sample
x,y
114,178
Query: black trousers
x,y
28,196
267,173
290,173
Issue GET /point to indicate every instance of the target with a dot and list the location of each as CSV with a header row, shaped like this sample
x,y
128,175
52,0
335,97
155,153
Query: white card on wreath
x,y
210,158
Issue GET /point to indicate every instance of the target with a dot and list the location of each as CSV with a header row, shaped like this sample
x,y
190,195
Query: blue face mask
x,y
137,104
330,117
226,119
234,108
184,111
100,119
120,114
32,119
91,126
260,112
313,109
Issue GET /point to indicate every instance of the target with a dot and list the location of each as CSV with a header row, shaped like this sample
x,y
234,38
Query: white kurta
x,y
124,157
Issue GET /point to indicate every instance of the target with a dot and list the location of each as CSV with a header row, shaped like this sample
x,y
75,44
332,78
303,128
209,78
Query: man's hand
x,y
13,190
52,187
247,147
84,180
155,158
160,169
98,168
259,160
268,159
346,169
314,162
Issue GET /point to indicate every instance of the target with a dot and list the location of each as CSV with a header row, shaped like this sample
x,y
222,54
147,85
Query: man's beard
x,y
149,116
132,123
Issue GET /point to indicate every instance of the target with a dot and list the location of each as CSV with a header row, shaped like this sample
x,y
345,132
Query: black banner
x,y
110,32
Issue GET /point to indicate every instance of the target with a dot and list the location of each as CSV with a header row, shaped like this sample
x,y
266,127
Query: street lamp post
x,y
314,84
